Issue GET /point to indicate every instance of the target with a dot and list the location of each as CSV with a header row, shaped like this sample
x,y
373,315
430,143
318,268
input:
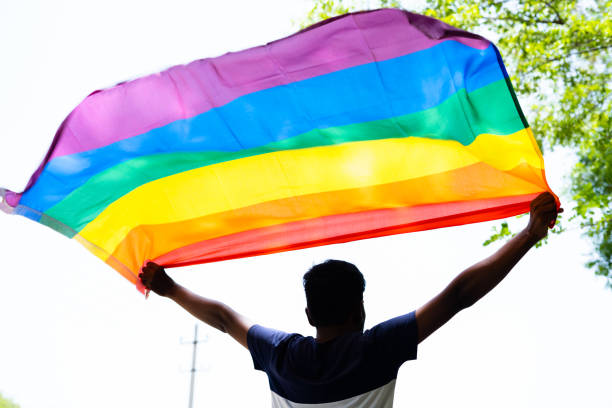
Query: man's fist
x,y
543,215
154,278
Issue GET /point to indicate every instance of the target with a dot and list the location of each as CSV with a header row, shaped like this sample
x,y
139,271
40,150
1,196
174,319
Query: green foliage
x,y
502,233
324,9
559,53
6,403
594,197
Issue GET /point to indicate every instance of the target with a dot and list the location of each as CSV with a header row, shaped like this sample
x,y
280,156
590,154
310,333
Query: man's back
x,y
353,370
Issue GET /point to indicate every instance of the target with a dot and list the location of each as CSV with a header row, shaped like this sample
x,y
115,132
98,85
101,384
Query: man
x,y
343,366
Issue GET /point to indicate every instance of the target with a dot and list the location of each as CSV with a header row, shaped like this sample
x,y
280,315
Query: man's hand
x,y
542,216
154,278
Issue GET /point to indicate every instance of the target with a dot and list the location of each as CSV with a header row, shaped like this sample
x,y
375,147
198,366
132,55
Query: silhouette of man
x,y
343,366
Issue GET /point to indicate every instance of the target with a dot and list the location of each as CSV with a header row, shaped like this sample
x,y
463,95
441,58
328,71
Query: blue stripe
x,y
363,93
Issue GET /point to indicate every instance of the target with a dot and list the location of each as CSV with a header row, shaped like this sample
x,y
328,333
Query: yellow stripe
x,y
251,180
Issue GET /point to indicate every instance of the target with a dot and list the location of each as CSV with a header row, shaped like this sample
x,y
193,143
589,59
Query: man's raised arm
x,y
479,279
211,312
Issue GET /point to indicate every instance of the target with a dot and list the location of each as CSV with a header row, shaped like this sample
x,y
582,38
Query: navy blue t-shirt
x,y
346,369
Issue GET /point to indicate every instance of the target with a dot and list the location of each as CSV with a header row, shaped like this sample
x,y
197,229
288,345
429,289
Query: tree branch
x,y
559,18
570,54
524,21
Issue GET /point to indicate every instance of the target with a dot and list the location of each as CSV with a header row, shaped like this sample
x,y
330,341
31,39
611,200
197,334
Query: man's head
x,y
334,293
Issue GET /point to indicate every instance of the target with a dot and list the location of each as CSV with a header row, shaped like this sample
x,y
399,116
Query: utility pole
x,y
193,362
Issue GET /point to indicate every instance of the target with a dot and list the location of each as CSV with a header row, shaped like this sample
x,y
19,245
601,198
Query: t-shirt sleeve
x,y
396,340
262,343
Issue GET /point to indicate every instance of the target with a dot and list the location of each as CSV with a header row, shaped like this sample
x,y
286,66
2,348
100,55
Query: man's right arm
x,y
476,281
211,312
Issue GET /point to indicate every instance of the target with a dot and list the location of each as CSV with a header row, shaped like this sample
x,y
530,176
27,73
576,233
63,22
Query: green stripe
x,y
462,117
516,102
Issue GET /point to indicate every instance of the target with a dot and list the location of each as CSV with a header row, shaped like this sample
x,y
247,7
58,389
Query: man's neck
x,y
327,333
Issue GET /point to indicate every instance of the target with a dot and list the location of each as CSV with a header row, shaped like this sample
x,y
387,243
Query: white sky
x,y
74,333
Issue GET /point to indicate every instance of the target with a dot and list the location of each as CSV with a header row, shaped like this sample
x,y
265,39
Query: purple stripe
x,y
8,200
12,199
136,107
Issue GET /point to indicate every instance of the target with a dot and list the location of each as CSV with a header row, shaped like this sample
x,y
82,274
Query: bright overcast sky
x,y
75,334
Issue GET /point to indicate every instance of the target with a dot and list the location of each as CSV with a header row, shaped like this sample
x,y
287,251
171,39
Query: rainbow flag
x,y
368,124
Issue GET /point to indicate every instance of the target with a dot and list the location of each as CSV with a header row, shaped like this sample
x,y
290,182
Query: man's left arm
x,y
476,281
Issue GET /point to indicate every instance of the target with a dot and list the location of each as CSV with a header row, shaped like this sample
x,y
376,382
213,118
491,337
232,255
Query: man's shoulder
x,y
402,322
273,337
396,339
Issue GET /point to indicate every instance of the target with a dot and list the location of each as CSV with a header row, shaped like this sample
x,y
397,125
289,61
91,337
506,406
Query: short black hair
x,y
334,289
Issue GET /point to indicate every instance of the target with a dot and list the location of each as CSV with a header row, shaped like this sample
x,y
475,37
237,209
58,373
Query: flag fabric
x,y
368,124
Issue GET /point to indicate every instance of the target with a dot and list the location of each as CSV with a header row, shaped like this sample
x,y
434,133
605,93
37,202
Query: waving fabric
x,y
368,124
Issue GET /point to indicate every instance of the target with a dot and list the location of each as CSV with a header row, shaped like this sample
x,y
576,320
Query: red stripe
x,y
343,228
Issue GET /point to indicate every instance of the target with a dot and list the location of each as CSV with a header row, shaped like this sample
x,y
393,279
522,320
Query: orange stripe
x,y
472,183
335,229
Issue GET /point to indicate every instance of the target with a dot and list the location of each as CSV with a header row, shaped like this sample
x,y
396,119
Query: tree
x,y
559,53
6,403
